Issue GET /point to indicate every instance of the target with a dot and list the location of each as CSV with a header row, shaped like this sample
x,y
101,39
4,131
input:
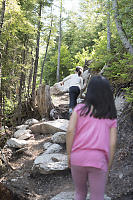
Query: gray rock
x,y
22,134
64,196
70,196
50,127
47,145
49,163
22,127
54,148
16,143
59,137
30,122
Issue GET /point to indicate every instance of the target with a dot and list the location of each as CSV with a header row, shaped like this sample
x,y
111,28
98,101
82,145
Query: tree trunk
x,y
120,29
1,25
37,54
43,101
0,93
22,81
46,51
108,27
30,76
59,45
2,15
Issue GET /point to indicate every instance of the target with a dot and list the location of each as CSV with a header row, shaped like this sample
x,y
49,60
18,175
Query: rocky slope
x,y
19,183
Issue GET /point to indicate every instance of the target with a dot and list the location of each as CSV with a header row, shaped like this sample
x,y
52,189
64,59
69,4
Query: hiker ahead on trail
x,y
91,139
76,84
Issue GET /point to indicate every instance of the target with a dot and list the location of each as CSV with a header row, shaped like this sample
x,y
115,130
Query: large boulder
x,y
57,88
22,134
50,127
50,163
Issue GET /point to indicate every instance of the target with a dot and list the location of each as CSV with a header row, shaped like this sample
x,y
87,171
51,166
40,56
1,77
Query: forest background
x,y
41,42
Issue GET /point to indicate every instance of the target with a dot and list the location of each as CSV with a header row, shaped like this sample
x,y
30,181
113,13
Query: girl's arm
x,y
113,139
70,135
65,79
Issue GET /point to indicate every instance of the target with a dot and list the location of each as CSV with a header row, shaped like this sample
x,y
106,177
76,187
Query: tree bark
x,y
30,76
46,51
1,25
120,29
43,101
37,54
22,81
108,27
2,15
0,93
59,45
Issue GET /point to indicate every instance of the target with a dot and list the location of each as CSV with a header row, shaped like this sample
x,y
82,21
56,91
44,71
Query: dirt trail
x,y
28,186
22,181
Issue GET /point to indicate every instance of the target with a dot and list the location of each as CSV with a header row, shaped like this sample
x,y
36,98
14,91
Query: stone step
x,y
70,196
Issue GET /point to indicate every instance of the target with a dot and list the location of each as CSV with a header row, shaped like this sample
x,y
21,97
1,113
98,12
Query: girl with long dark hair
x,y
91,139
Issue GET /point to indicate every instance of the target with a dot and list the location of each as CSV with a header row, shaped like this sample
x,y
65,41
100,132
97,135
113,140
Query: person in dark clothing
x,y
76,84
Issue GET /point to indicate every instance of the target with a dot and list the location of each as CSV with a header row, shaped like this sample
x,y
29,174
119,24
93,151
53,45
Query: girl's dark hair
x,y
79,70
100,96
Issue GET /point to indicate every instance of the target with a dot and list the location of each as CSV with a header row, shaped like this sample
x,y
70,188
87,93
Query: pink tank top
x,y
91,141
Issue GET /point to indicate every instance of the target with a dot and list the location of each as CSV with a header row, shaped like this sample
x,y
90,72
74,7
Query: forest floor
x,y
22,184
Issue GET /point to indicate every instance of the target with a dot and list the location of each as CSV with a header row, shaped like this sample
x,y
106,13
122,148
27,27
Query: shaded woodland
x,y
41,42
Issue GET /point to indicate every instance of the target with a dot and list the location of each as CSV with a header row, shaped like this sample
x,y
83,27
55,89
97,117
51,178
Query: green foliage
x,y
129,94
77,36
126,17
120,71
17,37
99,53
84,37
9,106
120,63
66,63
80,57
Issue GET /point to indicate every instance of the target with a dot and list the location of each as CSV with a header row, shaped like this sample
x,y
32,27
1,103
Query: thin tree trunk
x,y
22,81
37,55
1,25
20,98
3,112
30,75
0,92
59,45
2,15
108,27
120,29
46,51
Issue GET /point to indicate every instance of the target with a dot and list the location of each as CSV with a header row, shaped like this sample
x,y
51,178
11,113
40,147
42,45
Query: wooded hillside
x,y
41,43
